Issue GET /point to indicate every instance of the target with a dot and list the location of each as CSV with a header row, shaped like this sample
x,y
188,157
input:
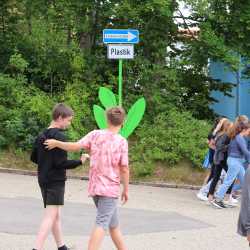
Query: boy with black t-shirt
x,y
52,165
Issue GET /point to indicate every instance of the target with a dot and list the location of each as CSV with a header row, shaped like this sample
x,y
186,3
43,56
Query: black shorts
x,y
53,194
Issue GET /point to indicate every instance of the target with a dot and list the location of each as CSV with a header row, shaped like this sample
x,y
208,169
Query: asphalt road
x,y
154,218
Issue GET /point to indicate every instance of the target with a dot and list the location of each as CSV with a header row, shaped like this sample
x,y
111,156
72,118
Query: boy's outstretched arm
x,y
124,172
67,146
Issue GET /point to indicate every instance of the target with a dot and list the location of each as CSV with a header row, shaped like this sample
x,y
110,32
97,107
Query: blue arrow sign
x,y
120,36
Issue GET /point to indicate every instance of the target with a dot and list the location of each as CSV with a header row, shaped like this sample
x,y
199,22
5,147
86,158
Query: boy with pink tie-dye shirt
x,y
108,165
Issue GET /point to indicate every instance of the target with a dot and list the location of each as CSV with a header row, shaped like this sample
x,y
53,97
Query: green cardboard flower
x,y
108,100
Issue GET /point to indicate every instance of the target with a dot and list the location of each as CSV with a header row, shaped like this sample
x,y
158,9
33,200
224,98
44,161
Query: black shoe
x,y
218,204
67,248
63,248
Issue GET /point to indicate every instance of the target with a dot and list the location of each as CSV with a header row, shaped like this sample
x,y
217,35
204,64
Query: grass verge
x,y
183,173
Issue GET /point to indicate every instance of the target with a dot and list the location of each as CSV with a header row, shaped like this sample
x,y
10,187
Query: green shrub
x,y
172,137
24,112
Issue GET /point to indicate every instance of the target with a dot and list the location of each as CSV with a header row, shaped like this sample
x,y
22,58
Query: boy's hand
x,y
124,197
84,157
50,143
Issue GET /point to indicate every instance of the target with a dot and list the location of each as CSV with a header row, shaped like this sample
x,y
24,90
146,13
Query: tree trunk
x,y
85,40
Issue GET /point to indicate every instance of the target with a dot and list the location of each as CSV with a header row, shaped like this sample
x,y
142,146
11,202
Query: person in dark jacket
x,y
203,192
52,165
220,158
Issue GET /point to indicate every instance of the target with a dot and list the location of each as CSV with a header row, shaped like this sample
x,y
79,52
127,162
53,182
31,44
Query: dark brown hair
x,y
115,116
237,128
62,110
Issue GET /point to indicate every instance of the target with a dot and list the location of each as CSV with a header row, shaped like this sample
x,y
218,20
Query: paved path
x,y
154,218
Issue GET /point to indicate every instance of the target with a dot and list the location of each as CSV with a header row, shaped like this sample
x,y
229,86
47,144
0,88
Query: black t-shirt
x,y
52,164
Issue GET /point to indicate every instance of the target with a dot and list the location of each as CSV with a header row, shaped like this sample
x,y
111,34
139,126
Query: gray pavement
x,y
154,219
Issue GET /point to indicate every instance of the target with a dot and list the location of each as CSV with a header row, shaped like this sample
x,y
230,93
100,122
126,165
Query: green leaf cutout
x,y
100,117
134,117
107,97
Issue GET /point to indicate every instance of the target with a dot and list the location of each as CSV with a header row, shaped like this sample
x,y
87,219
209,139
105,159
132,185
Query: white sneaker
x,y
230,203
234,201
201,196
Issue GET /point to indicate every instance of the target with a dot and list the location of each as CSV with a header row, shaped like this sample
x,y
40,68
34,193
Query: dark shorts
x,y
53,194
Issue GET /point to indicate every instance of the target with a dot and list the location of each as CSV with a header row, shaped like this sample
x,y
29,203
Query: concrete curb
x,y
141,183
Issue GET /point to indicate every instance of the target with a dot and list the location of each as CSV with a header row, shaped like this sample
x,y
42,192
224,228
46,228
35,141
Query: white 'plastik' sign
x,y
120,51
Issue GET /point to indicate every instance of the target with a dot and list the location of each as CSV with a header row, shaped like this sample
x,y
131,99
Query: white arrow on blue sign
x,y
120,36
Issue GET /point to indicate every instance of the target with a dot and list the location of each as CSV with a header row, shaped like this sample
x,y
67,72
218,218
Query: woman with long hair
x,y
237,154
202,194
237,185
220,158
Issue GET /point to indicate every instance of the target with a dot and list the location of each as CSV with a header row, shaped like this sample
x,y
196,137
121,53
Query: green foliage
x,y
77,95
224,28
24,112
52,51
172,137
17,63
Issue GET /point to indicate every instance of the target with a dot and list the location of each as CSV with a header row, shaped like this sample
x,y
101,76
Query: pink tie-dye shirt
x,y
108,153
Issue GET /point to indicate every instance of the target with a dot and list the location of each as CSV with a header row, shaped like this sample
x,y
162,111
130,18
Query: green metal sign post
x,y
120,82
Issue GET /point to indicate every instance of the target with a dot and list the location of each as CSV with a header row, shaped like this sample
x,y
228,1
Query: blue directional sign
x,y
120,36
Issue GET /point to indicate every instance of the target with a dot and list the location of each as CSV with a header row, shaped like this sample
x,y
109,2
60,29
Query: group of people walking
x,y
229,157
229,161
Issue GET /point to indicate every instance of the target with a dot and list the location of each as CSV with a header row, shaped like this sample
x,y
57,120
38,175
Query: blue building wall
x,y
239,104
